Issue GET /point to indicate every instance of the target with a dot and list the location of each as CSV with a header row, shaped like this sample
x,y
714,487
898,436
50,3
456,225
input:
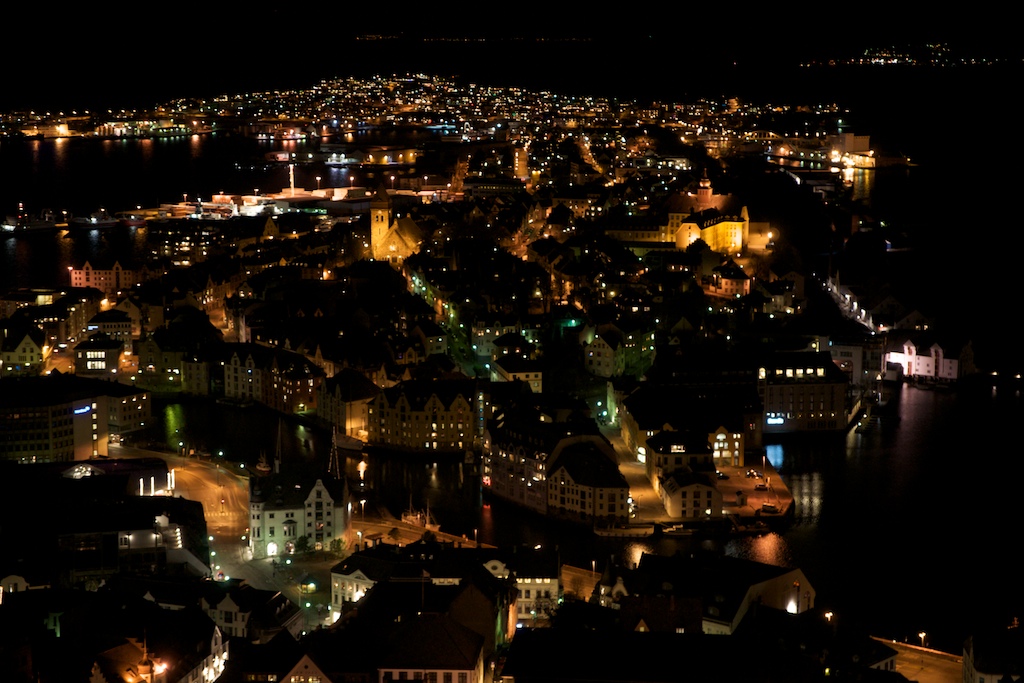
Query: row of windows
x,y
428,676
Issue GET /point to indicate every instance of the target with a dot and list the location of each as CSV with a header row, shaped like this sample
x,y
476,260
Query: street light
x,y
921,635
318,182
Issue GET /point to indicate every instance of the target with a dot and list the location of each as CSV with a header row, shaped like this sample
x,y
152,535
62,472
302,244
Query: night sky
x,y
99,55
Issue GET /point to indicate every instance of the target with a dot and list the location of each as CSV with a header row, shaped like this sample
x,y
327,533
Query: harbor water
x,y
912,526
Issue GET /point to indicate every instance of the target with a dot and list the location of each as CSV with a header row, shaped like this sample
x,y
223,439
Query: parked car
x,y
721,475
752,474
761,486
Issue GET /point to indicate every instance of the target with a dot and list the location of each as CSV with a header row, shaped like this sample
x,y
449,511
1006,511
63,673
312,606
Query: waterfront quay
x,y
744,498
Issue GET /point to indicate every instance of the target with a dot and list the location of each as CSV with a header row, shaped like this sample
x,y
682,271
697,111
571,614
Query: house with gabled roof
x,y
727,588
283,509
728,280
691,495
930,357
434,647
584,481
430,414
728,415
21,349
241,610
605,355
343,401
517,368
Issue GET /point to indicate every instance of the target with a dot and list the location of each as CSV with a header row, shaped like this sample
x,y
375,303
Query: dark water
x,y
914,527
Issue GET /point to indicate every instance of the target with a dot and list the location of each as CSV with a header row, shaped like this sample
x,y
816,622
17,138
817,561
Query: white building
x,y
282,510
923,357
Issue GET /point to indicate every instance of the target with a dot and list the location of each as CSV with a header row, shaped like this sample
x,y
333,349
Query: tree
x,y
302,544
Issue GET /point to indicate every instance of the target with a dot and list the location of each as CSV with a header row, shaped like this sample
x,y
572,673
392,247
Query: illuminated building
x,y
98,356
721,221
114,322
993,653
729,281
549,462
691,496
924,356
708,578
344,399
425,414
728,415
284,509
241,610
516,368
283,380
110,280
803,392
53,418
584,481
392,238
21,350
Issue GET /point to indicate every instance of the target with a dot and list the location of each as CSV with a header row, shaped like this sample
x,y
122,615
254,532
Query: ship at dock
x,y
23,221
95,220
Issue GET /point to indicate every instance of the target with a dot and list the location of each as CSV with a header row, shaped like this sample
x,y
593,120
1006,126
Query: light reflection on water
x,y
770,548
875,512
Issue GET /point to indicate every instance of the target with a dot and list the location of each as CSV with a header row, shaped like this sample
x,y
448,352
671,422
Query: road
x,y
223,492
924,665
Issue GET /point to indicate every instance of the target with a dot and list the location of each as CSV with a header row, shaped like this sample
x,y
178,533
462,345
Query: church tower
x,y
380,222
704,200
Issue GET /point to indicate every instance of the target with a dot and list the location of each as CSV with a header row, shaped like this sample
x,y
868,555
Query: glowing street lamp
x,y
921,635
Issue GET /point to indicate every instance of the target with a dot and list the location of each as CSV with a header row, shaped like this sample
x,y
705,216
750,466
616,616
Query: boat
x,y
95,220
628,531
420,518
131,219
23,222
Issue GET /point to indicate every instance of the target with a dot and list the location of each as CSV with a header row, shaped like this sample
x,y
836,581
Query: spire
x,y
333,466
145,664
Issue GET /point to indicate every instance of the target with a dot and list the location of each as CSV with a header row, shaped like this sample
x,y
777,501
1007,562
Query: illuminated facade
x,y
343,401
803,392
923,357
53,418
691,496
728,417
283,380
110,280
282,510
247,612
392,238
21,351
425,414
584,481
130,410
728,281
748,583
513,368
98,356
719,220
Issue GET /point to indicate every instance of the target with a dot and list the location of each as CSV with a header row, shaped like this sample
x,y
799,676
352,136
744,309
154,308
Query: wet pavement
x,y
741,494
